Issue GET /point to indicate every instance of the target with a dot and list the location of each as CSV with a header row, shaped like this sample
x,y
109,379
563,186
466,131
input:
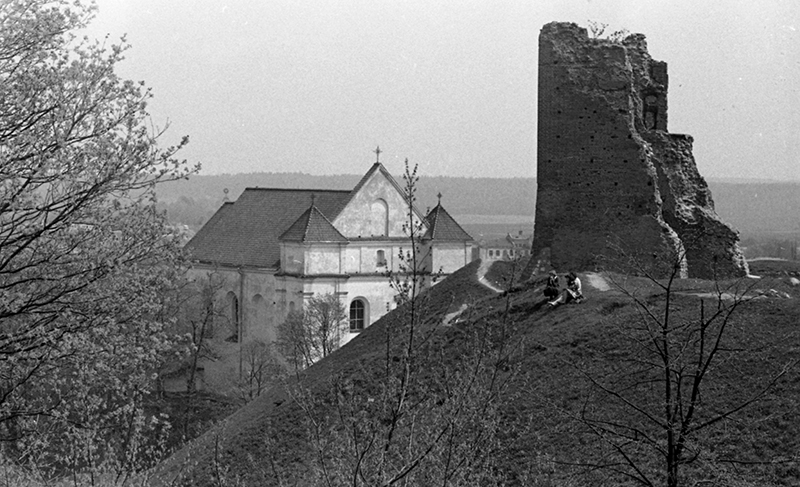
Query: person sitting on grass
x,y
551,291
573,292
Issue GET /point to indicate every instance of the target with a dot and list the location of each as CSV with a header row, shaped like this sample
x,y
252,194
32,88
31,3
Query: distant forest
x,y
757,210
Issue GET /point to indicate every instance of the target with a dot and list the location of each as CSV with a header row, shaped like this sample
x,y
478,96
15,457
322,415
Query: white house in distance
x,y
277,248
509,247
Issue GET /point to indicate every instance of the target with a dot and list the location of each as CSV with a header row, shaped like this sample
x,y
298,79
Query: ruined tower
x,y
616,190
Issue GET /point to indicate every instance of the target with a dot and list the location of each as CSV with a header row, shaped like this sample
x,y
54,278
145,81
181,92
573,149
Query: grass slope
x,y
577,348
565,355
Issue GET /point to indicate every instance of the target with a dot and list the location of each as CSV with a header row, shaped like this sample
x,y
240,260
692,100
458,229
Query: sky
x,y
315,86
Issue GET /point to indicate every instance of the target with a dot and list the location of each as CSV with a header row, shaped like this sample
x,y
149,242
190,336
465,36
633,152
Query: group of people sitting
x,y
571,293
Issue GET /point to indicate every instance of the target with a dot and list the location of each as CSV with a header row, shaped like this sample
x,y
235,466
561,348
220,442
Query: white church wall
x,y
449,257
321,286
261,312
352,259
320,259
260,306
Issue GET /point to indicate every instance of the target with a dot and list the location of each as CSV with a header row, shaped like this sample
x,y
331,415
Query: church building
x,y
277,248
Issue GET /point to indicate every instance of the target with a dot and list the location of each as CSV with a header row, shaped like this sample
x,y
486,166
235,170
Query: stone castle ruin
x,y
616,190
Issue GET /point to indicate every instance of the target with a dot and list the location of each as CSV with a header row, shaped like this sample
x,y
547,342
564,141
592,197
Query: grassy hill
x,y
498,389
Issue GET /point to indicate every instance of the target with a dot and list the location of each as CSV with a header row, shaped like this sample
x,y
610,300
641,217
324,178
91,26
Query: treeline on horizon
x,y
756,209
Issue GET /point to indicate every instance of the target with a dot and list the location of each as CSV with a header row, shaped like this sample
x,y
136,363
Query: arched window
x,y
380,258
379,218
233,318
256,321
357,315
207,323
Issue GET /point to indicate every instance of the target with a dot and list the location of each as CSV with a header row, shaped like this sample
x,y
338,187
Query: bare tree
x,y
667,386
313,332
597,30
197,312
260,368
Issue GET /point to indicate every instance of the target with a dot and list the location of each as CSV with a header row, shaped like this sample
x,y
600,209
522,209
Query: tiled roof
x,y
442,226
245,232
312,226
495,243
519,239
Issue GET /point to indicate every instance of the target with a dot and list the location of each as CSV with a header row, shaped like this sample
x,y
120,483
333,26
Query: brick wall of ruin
x,y
615,189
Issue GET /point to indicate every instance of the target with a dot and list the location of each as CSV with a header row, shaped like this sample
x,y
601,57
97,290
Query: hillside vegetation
x,y
504,390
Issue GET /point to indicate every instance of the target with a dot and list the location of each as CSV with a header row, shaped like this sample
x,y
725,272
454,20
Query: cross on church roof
x,y
440,197
377,152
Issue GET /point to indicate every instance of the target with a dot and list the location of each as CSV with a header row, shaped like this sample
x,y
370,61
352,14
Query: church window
x,y
233,318
258,314
380,258
207,325
491,253
357,315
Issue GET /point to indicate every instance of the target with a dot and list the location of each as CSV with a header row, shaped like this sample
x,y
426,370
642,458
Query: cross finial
x,y
313,197
440,197
378,154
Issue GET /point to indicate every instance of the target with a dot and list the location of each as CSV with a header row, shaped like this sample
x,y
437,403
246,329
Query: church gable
x,y
376,209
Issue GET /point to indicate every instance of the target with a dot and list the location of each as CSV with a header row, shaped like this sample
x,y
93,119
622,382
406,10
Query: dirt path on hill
x,y
597,281
449,317
482,270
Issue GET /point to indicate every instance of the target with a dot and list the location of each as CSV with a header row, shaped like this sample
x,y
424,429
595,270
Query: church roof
x,y
442,226
312,226
246,232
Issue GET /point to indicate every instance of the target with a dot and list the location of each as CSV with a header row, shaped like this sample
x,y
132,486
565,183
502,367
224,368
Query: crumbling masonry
x,y
616,190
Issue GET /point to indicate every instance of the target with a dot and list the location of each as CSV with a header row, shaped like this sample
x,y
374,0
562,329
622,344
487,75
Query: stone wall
x,y
616,190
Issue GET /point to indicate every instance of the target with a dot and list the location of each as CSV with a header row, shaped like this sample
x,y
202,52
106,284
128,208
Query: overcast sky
x,y
314,86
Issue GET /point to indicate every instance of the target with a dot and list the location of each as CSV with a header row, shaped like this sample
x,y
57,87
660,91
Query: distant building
x,y
506,248
277,248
